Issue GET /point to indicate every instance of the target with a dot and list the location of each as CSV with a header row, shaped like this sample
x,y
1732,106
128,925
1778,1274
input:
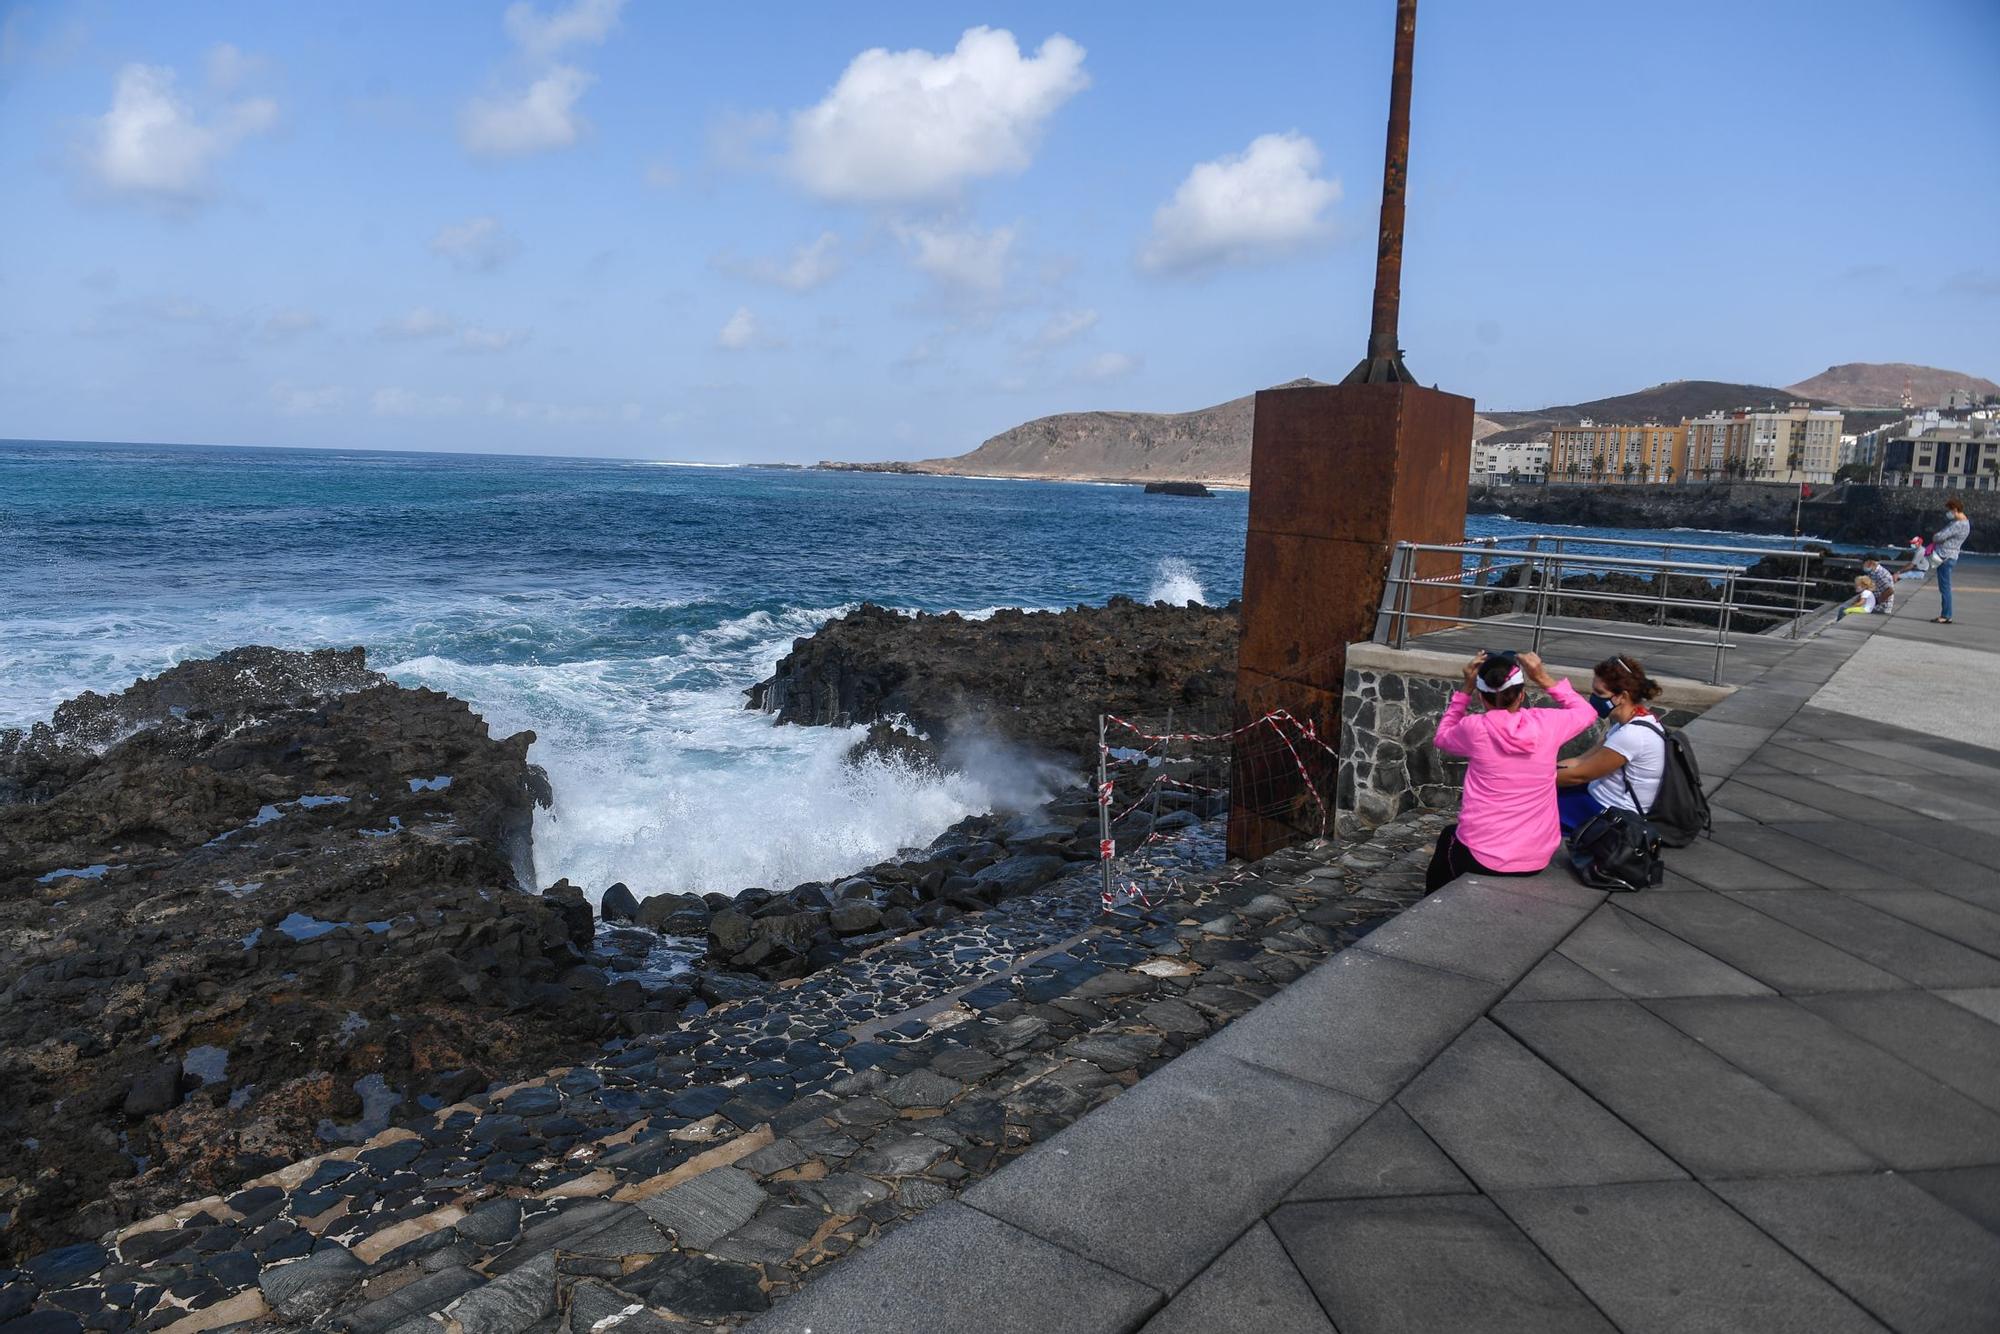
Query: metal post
x,y
1799,606
1527,567
1479,576
1722,627
1104,808
1660,615
1385,614
1408,587
1384,362
1166,753
1541,599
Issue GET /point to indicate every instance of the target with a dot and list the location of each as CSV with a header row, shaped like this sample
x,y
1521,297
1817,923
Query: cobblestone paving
x,y
698,1175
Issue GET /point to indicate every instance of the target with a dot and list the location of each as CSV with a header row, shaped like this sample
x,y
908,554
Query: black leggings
x,y
1453,859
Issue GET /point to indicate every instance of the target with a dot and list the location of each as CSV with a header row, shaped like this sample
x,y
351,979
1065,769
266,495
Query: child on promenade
x,y
1864,597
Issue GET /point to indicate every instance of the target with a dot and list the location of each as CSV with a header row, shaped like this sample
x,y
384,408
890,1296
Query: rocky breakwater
x,y
250,909
948,685
1019,693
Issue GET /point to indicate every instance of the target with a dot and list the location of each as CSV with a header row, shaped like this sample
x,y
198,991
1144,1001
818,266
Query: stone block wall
x,y
1391,701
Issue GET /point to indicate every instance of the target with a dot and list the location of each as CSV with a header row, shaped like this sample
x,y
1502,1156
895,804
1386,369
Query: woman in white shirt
x,y
1626,767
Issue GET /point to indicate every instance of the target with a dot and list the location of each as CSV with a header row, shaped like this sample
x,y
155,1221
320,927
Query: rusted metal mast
x,y
1384,362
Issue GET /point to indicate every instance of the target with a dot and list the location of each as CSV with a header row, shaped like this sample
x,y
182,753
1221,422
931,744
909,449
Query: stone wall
x,y
1390,706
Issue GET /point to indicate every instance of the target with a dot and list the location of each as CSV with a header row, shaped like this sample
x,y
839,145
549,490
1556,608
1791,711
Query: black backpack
x,y
1617,849
1680,808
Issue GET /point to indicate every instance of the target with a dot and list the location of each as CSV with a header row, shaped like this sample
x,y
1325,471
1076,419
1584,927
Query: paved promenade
x,y
1763,1098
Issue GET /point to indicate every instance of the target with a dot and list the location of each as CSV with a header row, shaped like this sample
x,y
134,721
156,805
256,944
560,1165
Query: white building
x,y
1493,461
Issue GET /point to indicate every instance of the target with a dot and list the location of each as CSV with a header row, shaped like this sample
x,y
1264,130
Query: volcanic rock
x,y
302,876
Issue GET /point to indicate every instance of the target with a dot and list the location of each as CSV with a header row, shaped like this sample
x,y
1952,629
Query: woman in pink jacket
x,y
1507,823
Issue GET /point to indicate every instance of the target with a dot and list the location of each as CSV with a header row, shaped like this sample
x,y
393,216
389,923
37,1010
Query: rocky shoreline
x,y
269,902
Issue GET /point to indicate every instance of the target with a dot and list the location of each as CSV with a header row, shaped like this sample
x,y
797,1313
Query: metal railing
x,y
1542,568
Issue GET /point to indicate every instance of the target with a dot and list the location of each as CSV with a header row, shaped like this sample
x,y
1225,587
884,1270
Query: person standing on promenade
x,y
1507,821
1948,542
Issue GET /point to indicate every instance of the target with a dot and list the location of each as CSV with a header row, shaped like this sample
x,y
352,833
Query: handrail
x,y
1488,546
1542,578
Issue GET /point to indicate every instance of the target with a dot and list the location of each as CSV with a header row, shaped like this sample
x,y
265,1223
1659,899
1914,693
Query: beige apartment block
x,y
1653,452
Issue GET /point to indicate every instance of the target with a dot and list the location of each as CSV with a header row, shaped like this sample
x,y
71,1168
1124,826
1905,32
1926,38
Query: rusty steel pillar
x,y
1338,475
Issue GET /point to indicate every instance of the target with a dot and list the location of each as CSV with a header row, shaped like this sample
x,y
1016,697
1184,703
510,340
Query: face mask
x,y
1602,705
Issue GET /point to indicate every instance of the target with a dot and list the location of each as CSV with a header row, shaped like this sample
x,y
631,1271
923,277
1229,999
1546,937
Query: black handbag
x,y
1617,849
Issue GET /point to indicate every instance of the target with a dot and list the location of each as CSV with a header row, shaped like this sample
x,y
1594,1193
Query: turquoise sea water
x,y
617,608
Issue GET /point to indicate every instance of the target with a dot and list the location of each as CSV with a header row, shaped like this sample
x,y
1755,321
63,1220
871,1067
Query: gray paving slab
x,y
1899,860
1671,1257
1158,1182
958,1271
1902,1116
1973,1191
1640,959
1251,1286
1718,866
1970,840
1741,797
1948,915
1389,1155
1361,1022
1429,1263
1780,956
1982,1001
1948,1043
1841,756
1472,927
1891,944
1929,795
1511,1121
1917,1264
1557,978
1709,1116
1815,862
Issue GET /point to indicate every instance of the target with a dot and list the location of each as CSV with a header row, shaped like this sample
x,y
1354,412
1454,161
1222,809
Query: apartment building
x,y
1789,444
1959,456
1498,461
1653,452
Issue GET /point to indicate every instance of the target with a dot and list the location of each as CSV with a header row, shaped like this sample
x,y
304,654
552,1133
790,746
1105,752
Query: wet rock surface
x,y
1034,679
696,1175
251,908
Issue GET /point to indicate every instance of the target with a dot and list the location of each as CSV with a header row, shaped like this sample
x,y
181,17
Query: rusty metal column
x,y
1384,362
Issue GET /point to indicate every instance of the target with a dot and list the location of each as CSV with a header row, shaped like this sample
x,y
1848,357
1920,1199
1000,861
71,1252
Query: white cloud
x,y
491,340
962,259
152,145
283,324
913,125
543,118
587,22
1107,366
423,322
743,330
230,67
1065,325
810,265
307,401
479,245
660,174
1255,205
410,403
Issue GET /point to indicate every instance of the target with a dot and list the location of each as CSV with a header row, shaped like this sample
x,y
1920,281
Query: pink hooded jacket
x,y
1508,818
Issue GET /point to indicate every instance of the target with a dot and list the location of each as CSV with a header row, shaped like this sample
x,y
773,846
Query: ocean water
x,y
617,608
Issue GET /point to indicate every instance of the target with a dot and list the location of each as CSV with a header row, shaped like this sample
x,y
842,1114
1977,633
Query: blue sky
x,y
876,231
